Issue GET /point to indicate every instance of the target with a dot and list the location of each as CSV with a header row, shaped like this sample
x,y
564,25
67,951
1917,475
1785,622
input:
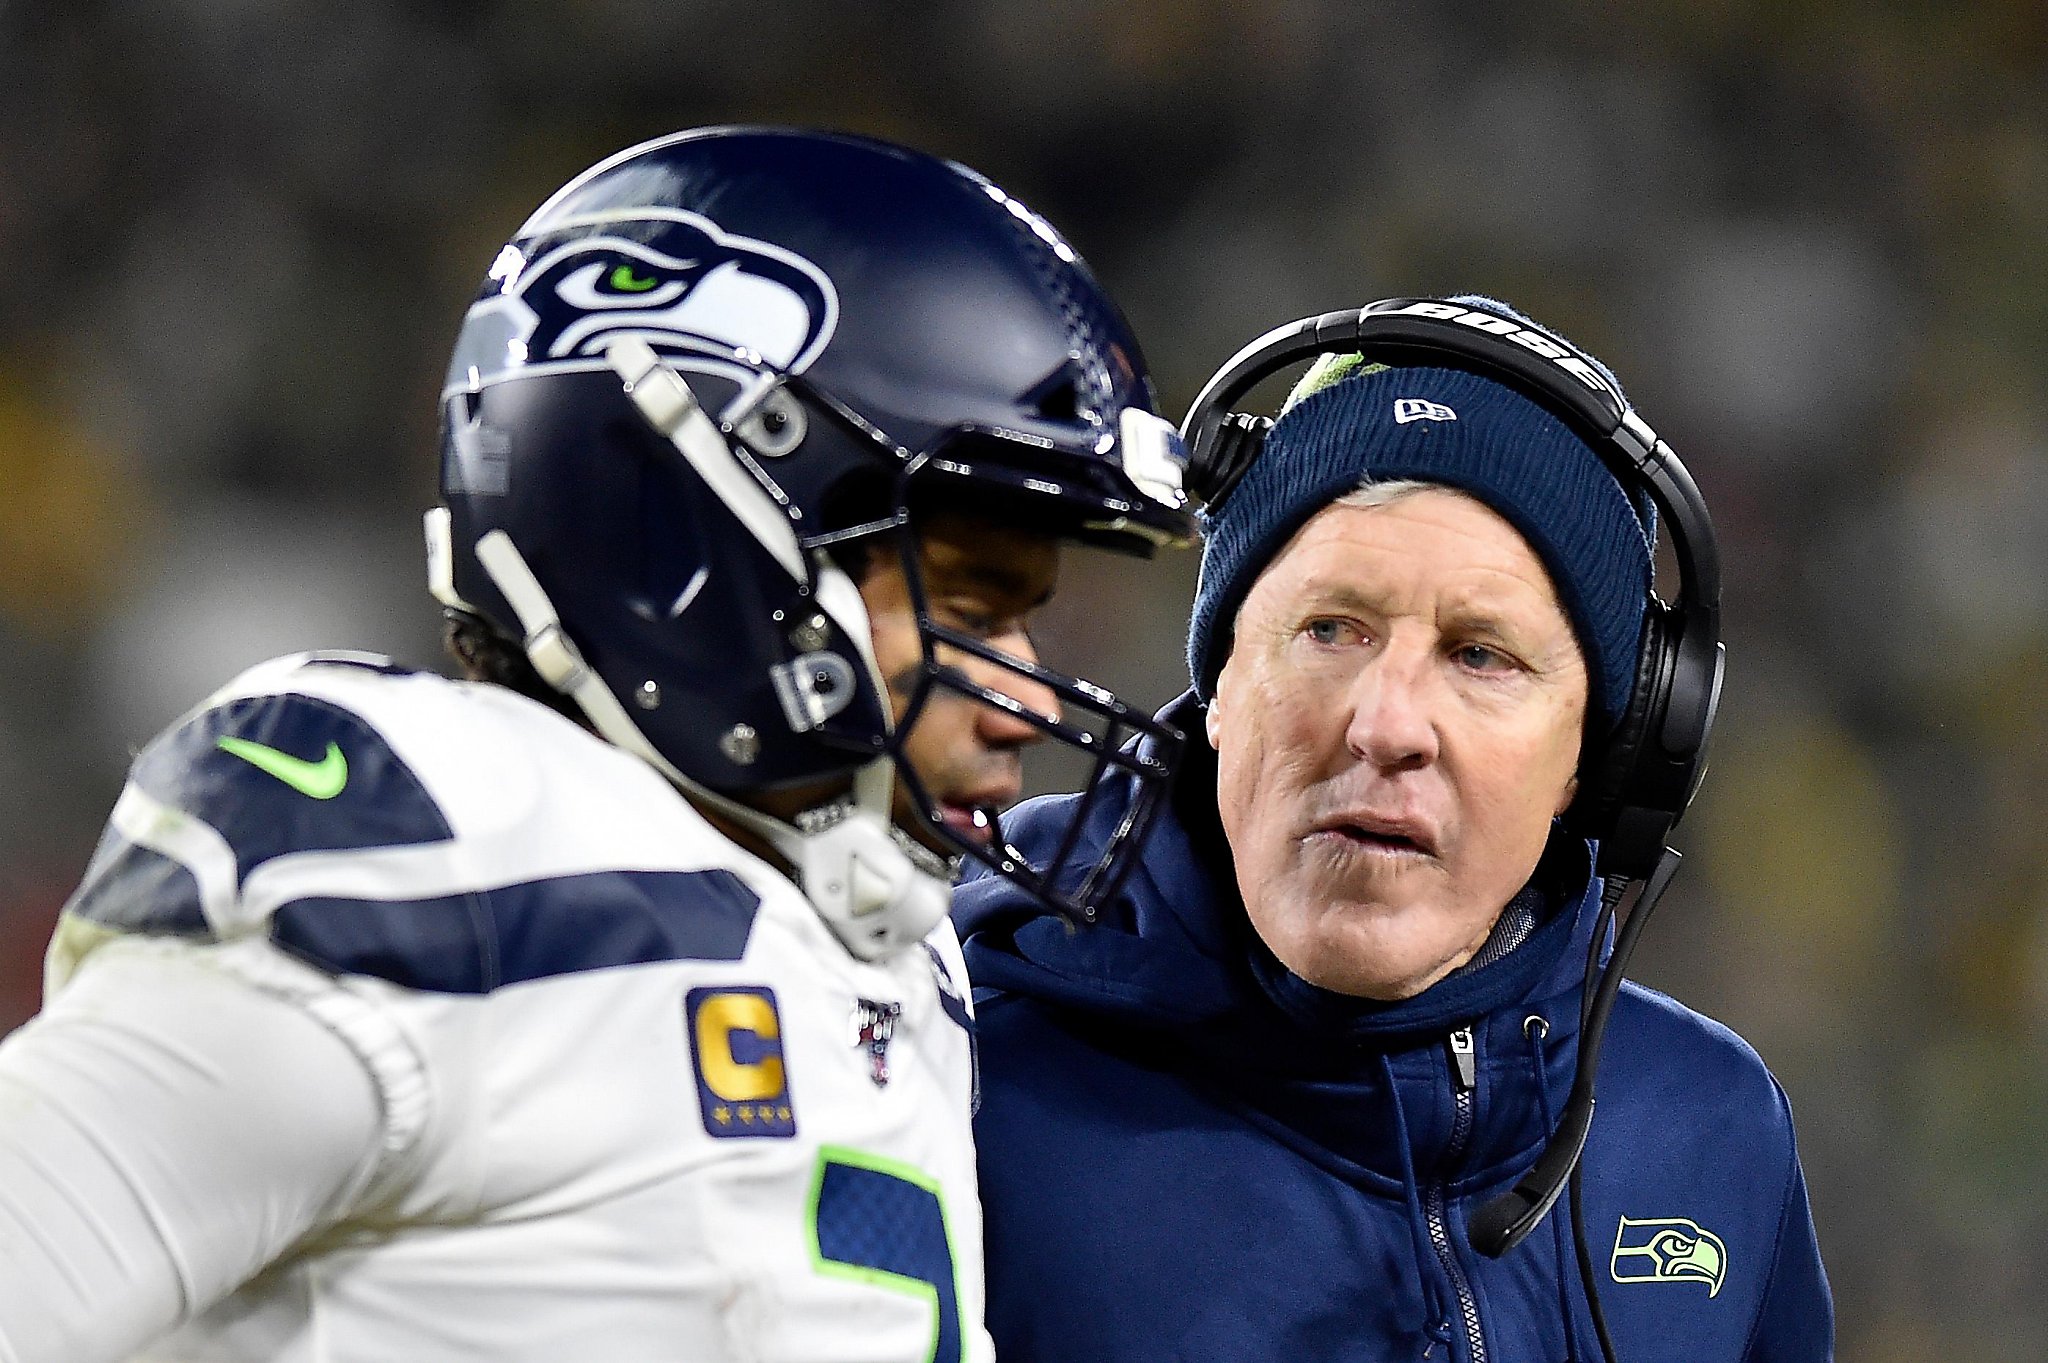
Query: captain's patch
x,y
736,1045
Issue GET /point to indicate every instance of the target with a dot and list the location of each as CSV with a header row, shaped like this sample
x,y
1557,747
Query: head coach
x,y
1319,1082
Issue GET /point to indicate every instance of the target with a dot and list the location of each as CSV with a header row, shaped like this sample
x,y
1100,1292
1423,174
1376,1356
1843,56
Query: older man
x,y
1253,1113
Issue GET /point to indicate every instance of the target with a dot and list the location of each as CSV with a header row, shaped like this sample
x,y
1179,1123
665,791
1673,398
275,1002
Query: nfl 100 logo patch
x,y
873,1026
736,1045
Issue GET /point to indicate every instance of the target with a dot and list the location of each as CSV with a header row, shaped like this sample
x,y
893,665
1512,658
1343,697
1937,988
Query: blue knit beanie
x,y
1348,422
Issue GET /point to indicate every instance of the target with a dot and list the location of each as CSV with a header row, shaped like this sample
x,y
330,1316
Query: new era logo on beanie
x,y
1348,422
1420,409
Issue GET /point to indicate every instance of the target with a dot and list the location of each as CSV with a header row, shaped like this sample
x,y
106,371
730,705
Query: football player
x,y
603,1005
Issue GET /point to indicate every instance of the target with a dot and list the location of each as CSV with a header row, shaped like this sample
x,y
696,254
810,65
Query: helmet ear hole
x,y
1061,401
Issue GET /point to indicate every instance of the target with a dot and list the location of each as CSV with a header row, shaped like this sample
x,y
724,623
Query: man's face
x,y
984,579
1397,724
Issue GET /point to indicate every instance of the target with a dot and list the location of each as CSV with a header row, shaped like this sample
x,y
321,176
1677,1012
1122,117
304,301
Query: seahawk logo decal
x,y
1668,1250
704,299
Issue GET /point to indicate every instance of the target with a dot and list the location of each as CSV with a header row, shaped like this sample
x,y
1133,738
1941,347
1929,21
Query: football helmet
x,y
701,369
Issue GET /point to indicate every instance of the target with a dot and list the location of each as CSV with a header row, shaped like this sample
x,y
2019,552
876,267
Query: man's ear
x,y
1212,713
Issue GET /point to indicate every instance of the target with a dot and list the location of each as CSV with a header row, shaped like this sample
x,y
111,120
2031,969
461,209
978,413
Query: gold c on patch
x,y
736,1045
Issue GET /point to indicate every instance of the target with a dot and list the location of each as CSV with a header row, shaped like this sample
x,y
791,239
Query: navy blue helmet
x,y
710,361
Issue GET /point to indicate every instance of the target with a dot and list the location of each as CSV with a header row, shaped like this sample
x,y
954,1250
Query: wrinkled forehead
x,y
1413,541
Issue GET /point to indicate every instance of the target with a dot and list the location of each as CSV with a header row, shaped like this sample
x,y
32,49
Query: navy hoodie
x,y
1189,1153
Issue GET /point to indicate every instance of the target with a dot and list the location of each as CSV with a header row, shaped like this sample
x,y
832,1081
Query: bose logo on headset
x,y
1509,329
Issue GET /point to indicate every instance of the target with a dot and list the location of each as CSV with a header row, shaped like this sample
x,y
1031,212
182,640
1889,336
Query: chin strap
x,y
877,890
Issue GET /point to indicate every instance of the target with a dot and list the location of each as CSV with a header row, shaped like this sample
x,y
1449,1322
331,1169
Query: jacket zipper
x,y
1464,1080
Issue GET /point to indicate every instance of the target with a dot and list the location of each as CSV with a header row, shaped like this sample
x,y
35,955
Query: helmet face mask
x,y
1079,878
706,365
956,676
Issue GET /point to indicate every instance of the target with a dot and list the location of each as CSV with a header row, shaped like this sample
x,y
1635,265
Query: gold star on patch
x,y
746,1114
722,1115
784,1113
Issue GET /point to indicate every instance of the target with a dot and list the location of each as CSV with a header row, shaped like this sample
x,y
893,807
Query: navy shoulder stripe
x,y
475,943
138,890
290,773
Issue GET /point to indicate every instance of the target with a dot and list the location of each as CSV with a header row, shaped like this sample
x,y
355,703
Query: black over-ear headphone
x,y
1633,791
1637,786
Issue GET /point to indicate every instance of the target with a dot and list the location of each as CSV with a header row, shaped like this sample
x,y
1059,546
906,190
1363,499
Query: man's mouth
x,y
975,823
1384,834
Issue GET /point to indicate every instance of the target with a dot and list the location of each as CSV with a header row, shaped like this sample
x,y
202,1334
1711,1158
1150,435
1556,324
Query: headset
x,y
1634,789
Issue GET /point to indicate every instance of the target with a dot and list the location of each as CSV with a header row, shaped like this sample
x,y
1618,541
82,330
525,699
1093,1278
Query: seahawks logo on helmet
x,y
704,299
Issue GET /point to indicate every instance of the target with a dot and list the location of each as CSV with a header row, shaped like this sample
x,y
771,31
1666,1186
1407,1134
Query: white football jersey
x,y
632,1099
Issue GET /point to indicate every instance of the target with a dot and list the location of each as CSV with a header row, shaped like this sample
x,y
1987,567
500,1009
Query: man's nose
x,y
999,728
1392,724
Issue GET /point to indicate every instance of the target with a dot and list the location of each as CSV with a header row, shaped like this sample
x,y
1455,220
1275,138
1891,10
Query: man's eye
x,y
1332,633
969,620
1480,658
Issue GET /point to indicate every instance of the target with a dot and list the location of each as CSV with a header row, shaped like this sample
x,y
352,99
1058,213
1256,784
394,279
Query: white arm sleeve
x,y
166,1130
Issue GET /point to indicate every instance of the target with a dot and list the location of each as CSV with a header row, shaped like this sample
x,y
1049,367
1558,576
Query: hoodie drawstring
x,y
1537,1028
1439,1327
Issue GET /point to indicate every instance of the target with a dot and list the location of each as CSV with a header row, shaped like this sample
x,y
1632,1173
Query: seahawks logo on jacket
x,y
1668,1250
671,278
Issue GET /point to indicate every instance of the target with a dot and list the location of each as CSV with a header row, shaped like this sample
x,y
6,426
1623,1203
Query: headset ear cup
x,y
1607,778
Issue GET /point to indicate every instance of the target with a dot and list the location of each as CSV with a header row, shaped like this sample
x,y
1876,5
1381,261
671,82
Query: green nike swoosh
x,y
625,281
322,780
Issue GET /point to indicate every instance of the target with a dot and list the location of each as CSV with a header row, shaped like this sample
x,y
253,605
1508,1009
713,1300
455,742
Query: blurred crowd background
x,y
236,237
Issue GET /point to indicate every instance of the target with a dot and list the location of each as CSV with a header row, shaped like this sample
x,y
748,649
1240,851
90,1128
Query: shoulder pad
x,y
289,773
295,772
511,847
246,781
